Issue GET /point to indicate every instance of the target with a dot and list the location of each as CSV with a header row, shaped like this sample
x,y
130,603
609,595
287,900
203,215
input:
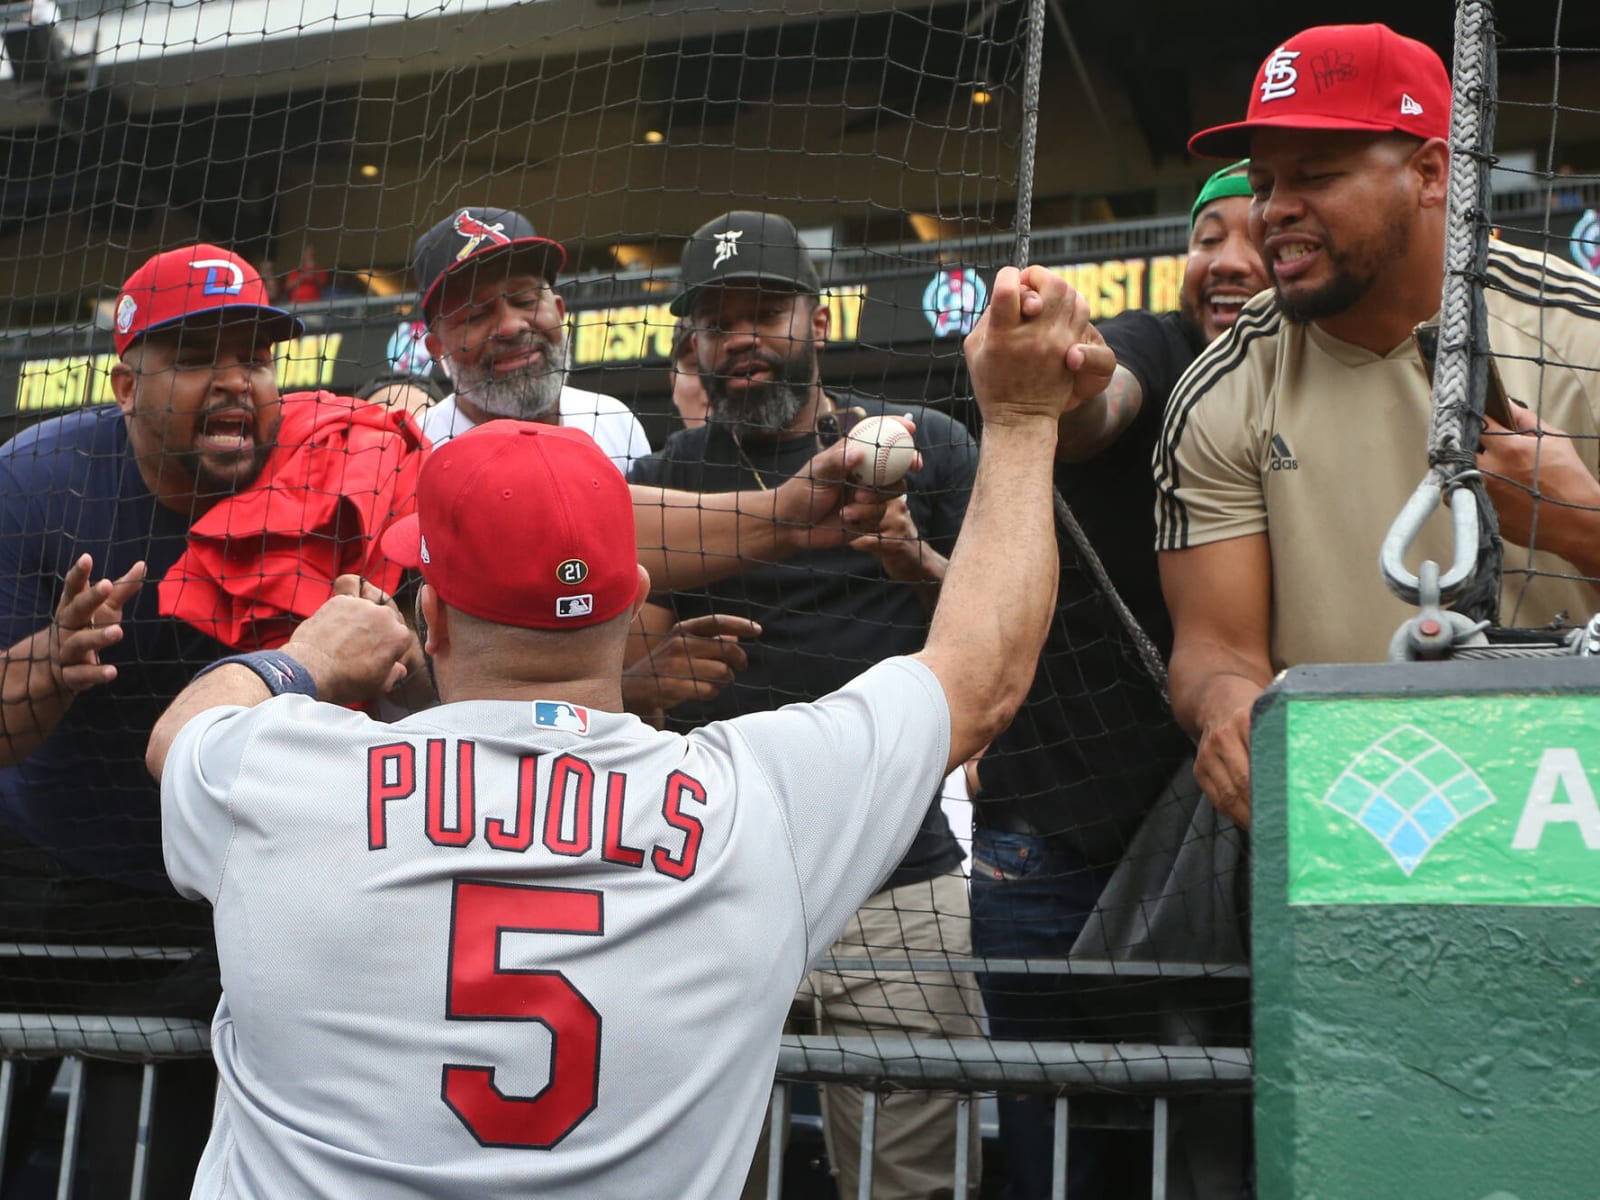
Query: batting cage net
x,y
1513,429
1072,914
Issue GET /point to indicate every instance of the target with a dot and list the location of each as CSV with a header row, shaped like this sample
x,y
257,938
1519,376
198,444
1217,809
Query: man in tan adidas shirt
x,y
1293,442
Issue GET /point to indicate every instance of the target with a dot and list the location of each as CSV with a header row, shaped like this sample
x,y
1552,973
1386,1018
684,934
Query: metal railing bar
x,y
137,1038
8,1086
43,950
1158,1154
1036,966
963,1135
869,1143
141,1145
978,1065
776,1132
69,1134
1058,1152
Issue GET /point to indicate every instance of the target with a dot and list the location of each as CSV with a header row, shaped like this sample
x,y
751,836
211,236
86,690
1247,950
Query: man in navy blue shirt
x,y
103,499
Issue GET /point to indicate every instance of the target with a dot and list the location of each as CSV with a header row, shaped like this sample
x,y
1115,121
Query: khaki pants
x,y
916,1131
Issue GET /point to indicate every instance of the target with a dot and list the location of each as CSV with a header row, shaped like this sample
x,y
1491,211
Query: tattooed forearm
x,y
1095,424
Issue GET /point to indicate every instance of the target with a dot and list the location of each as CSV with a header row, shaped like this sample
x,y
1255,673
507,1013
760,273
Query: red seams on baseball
x,y
890,452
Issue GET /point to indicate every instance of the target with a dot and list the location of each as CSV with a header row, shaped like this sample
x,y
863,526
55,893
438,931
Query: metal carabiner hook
x,y
1408,525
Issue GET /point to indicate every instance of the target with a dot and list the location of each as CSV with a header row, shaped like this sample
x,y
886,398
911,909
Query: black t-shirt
x,y
1095,742
828,615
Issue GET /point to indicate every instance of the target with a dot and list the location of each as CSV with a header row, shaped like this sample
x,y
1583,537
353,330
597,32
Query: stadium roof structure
x,y
610,122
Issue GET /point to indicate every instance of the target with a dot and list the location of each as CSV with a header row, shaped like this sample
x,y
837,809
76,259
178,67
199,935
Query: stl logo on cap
x,y
477,232
727,247
1279,76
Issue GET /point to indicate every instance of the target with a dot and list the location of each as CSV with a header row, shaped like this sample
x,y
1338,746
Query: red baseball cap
x,y
1341,77
525,524
194,280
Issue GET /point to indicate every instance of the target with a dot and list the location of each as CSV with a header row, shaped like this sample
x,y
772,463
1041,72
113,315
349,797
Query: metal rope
x,y
1149,656
1461,375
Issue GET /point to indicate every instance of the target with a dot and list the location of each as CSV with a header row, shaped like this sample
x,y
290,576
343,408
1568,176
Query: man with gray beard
x,y
759,322
496,325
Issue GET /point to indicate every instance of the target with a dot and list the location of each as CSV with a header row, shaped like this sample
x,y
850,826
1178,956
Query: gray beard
x,y
522,396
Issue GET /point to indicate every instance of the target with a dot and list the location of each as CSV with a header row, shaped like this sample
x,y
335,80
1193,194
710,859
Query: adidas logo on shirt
x,y
1283,458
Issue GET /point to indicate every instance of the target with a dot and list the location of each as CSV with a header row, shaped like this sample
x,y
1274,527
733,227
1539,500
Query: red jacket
x,y
265,559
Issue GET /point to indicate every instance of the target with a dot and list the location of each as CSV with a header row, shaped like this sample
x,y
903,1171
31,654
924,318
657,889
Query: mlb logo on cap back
x,y
194,283
1356,77
525,524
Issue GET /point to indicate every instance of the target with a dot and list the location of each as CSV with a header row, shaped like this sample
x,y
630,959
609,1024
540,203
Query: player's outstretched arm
x,y
1220,598
42,674
353,648
689,539
1030,353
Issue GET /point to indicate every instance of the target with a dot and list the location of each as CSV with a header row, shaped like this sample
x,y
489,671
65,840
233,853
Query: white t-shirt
x,y
604,418
418,976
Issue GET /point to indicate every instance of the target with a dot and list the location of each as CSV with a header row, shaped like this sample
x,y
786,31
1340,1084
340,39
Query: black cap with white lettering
x,y
745,245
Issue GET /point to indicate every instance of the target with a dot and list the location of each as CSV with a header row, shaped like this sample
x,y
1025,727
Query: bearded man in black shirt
x,y
1063,790
754,300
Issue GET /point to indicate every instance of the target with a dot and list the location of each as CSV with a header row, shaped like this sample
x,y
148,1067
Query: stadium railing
x,y
1135,1082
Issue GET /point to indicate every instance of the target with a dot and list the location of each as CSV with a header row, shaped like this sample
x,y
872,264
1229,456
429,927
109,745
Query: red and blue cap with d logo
x,y
196,283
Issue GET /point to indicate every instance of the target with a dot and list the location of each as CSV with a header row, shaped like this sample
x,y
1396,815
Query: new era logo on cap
x,y
1363,78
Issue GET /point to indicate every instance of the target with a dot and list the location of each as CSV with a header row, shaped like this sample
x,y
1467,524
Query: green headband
x,y
1230,181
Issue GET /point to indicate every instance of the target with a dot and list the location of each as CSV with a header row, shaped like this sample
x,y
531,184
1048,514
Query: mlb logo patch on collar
x,y
558,714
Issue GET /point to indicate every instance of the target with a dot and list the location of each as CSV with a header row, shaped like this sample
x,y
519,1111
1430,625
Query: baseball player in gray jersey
x,y
523,944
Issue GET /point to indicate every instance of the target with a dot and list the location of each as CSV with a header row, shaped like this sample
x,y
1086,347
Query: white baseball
x,y
890,449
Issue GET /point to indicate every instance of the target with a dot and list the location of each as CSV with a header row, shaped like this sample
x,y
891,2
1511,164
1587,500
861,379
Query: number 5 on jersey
x,y
480,990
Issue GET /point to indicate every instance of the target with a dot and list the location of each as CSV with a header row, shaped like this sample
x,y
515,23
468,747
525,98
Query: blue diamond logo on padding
x,y
1408,789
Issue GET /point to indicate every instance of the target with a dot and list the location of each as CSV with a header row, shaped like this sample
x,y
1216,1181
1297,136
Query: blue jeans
x,y
1030,899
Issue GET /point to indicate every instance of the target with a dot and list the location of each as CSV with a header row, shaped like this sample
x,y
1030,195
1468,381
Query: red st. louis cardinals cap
x,y
1363,77
195,281
525,524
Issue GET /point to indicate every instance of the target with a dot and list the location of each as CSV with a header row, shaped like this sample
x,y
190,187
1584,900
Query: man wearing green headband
x,y
1067,785
1224,268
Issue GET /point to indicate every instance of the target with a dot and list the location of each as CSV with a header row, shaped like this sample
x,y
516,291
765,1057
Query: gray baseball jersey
x,y
517,949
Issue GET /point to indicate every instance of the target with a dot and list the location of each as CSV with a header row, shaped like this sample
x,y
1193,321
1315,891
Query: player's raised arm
x,y
351,650
1031,353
